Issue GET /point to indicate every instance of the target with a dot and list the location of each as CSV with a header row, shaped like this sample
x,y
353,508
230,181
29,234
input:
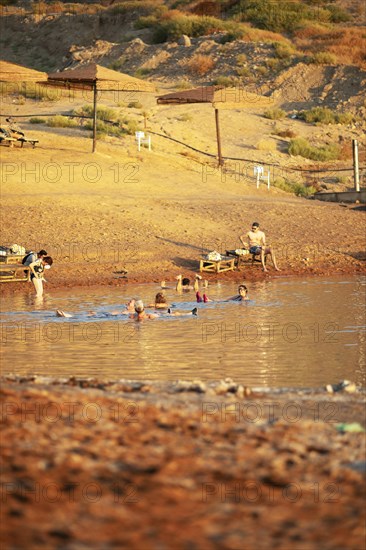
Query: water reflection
x,y
292,333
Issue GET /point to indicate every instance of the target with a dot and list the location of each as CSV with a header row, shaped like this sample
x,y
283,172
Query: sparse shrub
x,y
283,50
266,145
301,147
338,14
318,114
323,58
232,35
185,117
244,72
323,115
296,188
262,70
285,133
226,81
200,64
36,120
274,64
142,73
274,114
135,105
103,113
60,121
183,85
241,58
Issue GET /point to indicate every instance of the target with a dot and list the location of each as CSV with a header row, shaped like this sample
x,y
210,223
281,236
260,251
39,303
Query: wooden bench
x,y
245,257
10,273
7,139
24,140
217,266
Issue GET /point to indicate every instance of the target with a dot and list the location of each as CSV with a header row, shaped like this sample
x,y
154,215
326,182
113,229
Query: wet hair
x,y
160,298
186,281
255,224
48,260
42,253
139,306
244,287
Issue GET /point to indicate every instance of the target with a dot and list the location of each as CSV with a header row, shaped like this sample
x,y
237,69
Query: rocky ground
x,y
116,464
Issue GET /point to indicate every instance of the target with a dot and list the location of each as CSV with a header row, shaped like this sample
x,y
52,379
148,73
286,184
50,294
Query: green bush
x,y
274,114
301,147
135,105
60,121
36,120
323,115
225,81
173,27
296,188
323,58
103,113
283,50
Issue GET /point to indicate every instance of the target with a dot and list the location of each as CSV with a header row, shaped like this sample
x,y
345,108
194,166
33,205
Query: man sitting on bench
x,y
257,245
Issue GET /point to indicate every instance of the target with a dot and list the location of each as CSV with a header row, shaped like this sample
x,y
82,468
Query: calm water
x,y
292,333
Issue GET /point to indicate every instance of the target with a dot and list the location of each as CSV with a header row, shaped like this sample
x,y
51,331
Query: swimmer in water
x,y
130,308
160,301
184,284
242,296
141,314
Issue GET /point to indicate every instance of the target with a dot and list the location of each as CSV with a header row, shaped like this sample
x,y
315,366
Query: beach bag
x,y
214,256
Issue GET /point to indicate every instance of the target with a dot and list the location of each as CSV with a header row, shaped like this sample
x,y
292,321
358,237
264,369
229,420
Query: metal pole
x,y
95,118
221,162
356,173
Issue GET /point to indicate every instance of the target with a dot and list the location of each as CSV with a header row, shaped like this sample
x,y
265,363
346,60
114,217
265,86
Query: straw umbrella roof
x,y
10,72
90,75
220,97
97,78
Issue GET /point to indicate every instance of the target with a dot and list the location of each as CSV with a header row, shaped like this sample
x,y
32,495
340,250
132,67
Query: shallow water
x,y
303,333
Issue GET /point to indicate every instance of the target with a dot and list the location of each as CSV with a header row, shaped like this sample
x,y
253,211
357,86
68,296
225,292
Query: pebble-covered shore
x,y
89,463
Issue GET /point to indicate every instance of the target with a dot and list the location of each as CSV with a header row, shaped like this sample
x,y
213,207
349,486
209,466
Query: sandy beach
x,y
155,214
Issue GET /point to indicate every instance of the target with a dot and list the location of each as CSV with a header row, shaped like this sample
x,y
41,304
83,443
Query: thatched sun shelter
x,y
220,98
10,72
96,78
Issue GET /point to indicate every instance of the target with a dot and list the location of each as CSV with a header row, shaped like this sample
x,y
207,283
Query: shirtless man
x,y
257,245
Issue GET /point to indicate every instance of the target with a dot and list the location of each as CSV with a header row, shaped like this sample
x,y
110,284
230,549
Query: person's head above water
x,y
139,306
242,289
160,298
186,281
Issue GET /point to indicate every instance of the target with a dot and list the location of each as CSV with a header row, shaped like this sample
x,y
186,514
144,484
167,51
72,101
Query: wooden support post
x,y
219,154
356,173
95,118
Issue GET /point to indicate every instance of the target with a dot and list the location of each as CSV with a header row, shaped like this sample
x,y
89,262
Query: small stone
x,y
185,41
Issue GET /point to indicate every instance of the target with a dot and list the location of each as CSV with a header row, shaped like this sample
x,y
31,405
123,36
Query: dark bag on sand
x,y
26,257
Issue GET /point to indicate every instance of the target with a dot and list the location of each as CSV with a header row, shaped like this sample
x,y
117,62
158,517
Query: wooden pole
x,y
356,173
221,162
95,118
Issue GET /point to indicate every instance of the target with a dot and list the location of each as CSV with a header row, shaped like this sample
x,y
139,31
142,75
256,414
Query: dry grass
x,y
346,44
266,145
200,64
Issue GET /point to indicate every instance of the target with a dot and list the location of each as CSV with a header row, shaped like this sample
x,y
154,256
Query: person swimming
x,y
184,283
240,297
160,301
